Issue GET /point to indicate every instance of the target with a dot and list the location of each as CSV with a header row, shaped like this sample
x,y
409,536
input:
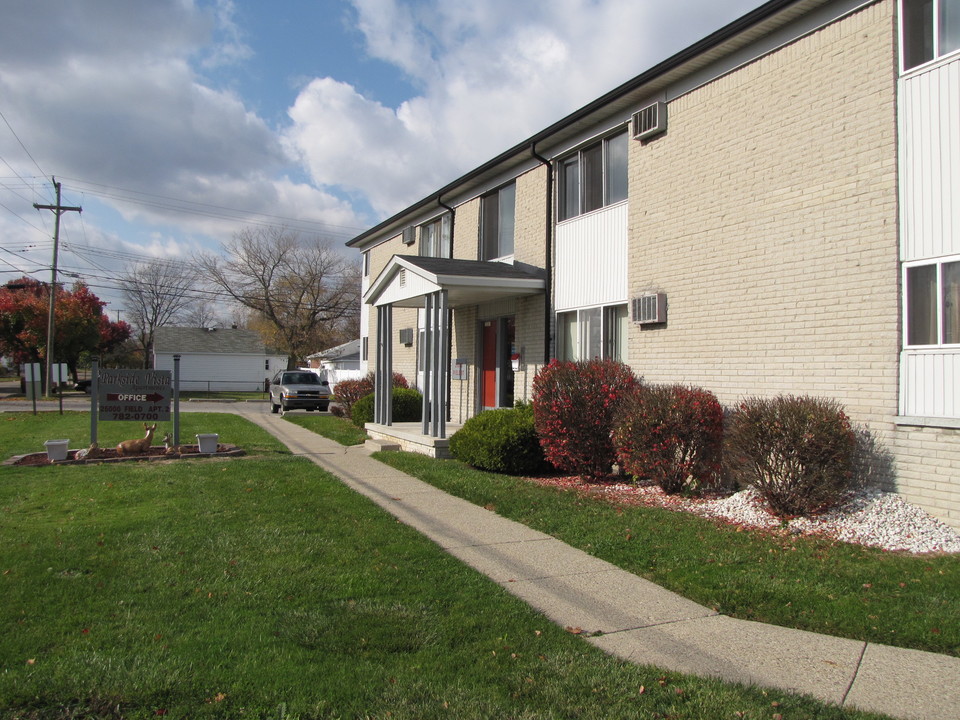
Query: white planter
x,y
208,442
56,449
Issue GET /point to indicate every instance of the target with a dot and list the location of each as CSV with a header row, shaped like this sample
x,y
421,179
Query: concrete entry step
x,y
375,444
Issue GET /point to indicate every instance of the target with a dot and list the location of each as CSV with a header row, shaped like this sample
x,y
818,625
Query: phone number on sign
x,y
133,416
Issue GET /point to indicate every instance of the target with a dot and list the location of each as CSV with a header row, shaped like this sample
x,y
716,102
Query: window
x,y
497,214
598,332
435,237
593,178
933,304
364,349
366,264
929,29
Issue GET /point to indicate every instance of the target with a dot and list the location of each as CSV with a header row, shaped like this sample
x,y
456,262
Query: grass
x,y
22,433
338,429
803,582
263,588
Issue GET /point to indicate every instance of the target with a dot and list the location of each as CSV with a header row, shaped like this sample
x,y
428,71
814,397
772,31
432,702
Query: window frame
x,y
932,26
939,300
487,228
612,338
439,235
578,175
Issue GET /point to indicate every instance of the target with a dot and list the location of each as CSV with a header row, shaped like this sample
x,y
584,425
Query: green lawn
x,y
802,582
340,430
261,587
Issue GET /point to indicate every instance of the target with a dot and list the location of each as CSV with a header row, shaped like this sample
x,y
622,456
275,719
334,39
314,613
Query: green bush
x,y
407,407
797,452
348,392
672,435
503,440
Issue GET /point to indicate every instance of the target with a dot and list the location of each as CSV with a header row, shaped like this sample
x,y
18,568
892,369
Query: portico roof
x,y
407,278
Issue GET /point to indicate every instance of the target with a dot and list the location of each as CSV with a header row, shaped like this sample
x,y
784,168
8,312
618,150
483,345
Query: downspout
x,y
548,241
453,216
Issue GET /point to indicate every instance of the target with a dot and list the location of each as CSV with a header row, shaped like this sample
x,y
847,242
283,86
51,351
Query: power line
x,y
14,133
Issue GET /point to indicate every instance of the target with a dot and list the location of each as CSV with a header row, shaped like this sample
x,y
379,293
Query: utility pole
x,y
58,210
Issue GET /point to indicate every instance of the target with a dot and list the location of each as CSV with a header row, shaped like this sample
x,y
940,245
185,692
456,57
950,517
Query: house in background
x,y
341,357
773,210
338,363
216,358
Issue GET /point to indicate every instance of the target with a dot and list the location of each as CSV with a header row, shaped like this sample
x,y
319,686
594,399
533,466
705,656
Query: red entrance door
x,y
488,367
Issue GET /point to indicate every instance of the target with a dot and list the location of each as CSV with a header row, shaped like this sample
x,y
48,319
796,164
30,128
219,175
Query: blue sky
x,y
175,123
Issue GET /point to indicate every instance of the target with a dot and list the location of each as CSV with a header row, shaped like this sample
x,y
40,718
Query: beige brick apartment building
x,y
772,210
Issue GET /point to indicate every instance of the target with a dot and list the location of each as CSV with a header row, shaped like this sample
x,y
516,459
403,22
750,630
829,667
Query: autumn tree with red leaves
x,y
80,325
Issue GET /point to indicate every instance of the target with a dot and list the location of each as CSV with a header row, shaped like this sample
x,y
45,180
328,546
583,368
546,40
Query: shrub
x,y
348,392
573,407
796,451
503,440
407,407
672,435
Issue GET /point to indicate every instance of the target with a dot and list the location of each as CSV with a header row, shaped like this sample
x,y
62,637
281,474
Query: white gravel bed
x,y
871,517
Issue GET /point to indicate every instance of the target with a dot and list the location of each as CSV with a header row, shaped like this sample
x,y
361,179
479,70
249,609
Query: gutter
x,y
548,243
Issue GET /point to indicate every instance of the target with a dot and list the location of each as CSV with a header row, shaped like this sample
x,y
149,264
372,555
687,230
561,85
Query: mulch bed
x,y
109,455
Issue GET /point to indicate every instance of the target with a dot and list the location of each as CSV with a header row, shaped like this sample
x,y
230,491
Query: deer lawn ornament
x,y
138,446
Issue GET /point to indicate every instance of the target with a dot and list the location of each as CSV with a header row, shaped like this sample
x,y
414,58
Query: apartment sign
x,y
134,394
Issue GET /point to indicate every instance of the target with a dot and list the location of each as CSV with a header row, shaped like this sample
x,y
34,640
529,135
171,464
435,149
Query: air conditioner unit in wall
x,y
650,121
406,336
649,309
409,235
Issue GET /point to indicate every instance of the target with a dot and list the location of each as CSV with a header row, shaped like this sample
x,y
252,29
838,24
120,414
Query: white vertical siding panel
x,y
930,384
590,266
930,162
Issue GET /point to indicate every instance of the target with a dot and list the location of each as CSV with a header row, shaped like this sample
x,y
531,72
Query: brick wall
x,y
768,214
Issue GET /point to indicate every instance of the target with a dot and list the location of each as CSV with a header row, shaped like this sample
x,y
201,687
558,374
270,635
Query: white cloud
x,y
490,74
106,92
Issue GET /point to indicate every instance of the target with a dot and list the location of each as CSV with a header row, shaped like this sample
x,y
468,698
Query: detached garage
x,y
216,358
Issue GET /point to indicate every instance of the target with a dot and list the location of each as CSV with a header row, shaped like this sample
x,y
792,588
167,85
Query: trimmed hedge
x,y
502,440
407,407
672,435
797,452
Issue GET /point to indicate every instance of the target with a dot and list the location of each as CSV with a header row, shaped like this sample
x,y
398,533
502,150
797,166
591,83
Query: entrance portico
x,y
438,286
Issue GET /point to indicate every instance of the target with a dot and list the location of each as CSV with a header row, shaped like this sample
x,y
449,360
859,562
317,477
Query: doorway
x,y
497,344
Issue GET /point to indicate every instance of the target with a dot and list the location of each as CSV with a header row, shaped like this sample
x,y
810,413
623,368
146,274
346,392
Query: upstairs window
x,y
435,237
497,221
933,304
593,178
929,29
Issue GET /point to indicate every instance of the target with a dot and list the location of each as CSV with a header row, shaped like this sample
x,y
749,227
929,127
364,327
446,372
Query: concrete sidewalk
x,y
638,621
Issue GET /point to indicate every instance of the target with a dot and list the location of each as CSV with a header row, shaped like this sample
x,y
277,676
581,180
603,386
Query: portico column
x,y
383,375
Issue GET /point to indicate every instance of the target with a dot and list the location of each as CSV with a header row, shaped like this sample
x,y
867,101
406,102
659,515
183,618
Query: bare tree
x,y
299,289
202,313
156,293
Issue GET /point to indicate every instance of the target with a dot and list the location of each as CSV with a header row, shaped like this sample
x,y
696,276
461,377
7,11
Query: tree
x,y
299,289
80,325
156,293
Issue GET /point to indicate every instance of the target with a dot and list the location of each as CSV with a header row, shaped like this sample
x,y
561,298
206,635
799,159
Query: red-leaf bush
x,y
672,435
573,406
797,452
349,391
